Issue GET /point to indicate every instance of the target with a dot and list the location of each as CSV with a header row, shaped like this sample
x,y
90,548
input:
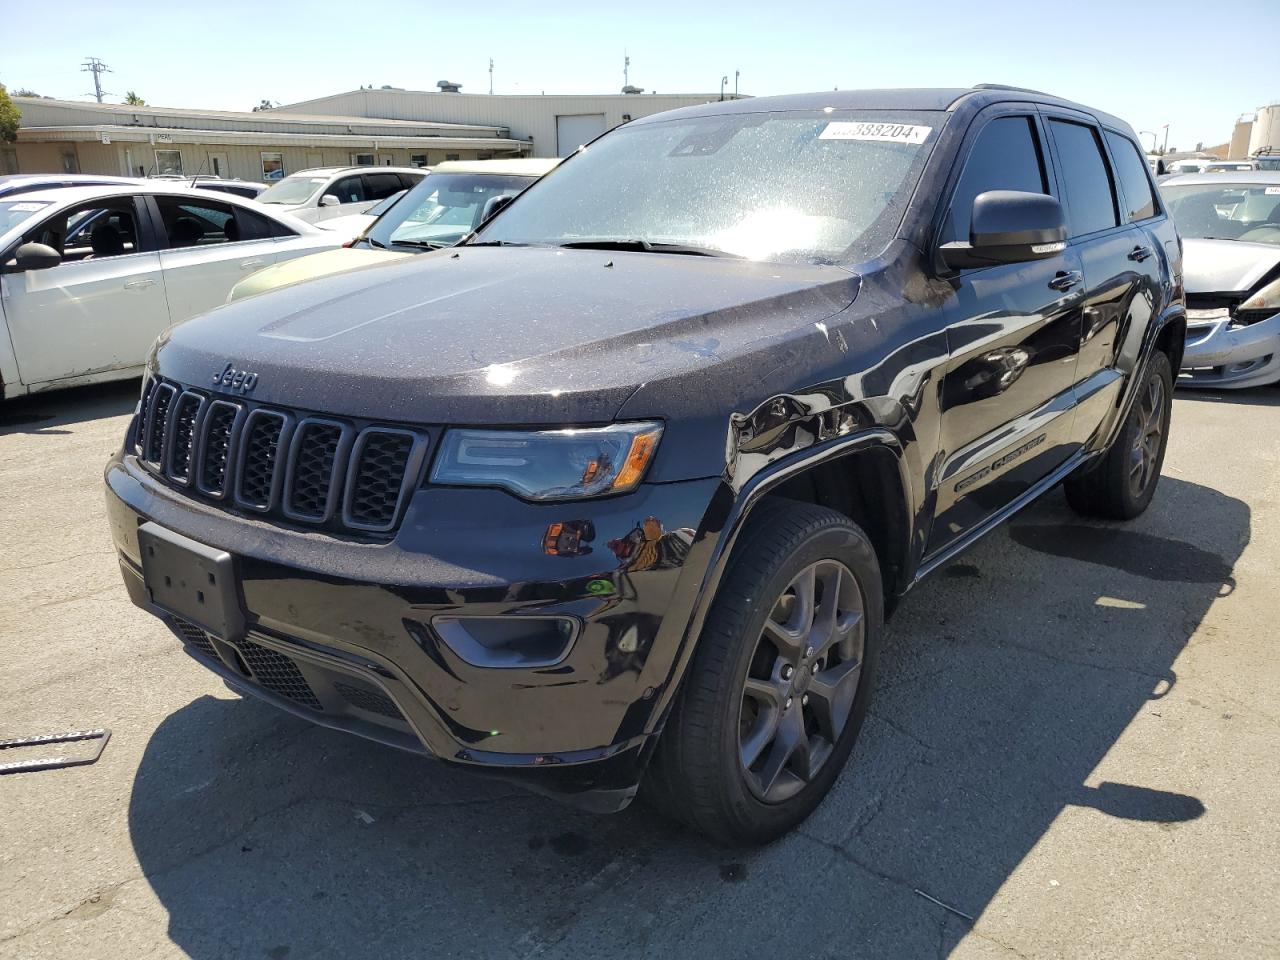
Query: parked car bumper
x,y
363,636
1221,355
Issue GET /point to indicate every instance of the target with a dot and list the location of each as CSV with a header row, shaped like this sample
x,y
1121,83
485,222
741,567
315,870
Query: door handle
x,y
246,264
1140,253
139,284
1066,279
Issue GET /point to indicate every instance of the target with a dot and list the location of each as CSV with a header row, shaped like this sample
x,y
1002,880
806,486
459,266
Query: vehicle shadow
x,y
1004,682
47,413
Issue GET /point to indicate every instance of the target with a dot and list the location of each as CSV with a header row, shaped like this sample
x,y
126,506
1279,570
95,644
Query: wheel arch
x,y
866,486
1171,340
876,454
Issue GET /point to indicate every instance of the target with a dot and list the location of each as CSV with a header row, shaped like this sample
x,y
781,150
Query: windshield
x,y
14,212
796,186
378,209
296,189
1226,211
442,209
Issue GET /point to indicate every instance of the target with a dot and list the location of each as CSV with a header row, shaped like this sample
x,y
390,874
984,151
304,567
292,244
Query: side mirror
x,y
494,204
1009,226
33,256
330,200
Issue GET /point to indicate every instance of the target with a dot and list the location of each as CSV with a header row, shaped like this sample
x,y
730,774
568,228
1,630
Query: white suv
x,y
324,192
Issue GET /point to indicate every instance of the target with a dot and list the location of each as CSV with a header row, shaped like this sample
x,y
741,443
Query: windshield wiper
x,y
493,243
372,242
421,244
649,246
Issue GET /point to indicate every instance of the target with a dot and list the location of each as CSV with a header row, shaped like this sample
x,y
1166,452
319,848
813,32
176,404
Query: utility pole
x,y
724,82
626,69
491,76
1166,138
97,68
735,82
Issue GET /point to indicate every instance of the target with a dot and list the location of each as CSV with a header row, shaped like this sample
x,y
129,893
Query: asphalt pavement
x,y
1072,752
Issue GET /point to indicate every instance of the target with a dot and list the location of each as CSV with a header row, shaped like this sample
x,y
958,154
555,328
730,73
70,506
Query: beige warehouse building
x,y
554,125
384,127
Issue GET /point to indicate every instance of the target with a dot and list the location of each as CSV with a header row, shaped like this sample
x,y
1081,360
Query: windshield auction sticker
x,y
861,130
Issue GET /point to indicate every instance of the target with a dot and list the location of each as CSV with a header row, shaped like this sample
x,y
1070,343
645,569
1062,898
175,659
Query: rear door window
x,y
1006,156
382,185
1086,178
1132,171
349,190
197,223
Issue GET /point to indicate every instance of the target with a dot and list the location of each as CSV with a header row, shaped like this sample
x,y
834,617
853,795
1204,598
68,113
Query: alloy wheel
x,y
802,681
1144,455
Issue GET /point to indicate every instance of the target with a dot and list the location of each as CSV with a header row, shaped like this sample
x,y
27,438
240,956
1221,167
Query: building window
x,y
168,163
273,166
70,161
452,156
484,156
8,160
362,159
418,160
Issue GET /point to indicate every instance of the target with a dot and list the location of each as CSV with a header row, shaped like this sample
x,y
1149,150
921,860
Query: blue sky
x,y
1149,62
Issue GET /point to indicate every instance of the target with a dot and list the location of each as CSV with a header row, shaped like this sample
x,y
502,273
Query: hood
x,y
310,267
500,335
1226,266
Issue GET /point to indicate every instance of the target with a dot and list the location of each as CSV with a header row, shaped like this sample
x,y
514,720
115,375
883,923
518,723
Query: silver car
x,y
1230,227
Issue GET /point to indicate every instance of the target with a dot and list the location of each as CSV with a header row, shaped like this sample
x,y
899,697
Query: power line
x,y
97,68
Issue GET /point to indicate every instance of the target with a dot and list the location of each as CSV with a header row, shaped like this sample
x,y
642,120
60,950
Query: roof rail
x,y
1005,86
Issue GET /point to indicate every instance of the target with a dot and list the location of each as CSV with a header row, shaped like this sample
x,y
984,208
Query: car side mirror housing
x,y
1009,226
33,256
330,200
494,204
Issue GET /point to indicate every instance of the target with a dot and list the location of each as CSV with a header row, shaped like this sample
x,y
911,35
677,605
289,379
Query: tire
x,y
1120,486
700,773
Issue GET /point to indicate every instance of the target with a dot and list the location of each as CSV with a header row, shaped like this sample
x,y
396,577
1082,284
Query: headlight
x,y
549,464
1268,298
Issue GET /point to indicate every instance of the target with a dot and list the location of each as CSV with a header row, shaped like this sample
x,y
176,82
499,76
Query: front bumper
x,y
1220,355
340,631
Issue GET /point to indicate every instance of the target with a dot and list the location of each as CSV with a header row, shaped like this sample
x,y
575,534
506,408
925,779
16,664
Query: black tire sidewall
x,y
1158,366
747,815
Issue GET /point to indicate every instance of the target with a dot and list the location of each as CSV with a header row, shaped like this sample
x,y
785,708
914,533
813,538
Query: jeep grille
x,y
287,464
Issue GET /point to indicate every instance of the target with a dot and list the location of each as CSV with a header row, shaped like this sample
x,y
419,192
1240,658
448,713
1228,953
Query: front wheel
x,y
1121,485
779,685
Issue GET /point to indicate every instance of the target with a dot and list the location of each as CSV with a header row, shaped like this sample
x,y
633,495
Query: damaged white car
x,y
1230,227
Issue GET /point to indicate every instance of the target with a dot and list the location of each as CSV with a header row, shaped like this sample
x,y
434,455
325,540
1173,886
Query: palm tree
x,y
133,100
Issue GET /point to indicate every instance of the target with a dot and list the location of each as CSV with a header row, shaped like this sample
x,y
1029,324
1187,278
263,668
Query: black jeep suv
x,y
622,489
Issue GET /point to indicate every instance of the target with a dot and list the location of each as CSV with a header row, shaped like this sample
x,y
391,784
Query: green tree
x,y
133,100
24,92
9,117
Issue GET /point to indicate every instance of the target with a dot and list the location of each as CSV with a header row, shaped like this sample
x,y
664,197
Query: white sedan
x,y
90,276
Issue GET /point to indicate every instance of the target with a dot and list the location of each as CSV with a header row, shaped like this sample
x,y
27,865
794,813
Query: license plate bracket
x,y
192,580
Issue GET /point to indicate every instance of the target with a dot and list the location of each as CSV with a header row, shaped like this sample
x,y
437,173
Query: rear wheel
x,y
779,685
1121,485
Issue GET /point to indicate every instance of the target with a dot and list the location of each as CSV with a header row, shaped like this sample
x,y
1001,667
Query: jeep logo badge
x,y
240,380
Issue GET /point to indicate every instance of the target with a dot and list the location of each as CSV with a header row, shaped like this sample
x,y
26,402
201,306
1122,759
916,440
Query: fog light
x,y
508,641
